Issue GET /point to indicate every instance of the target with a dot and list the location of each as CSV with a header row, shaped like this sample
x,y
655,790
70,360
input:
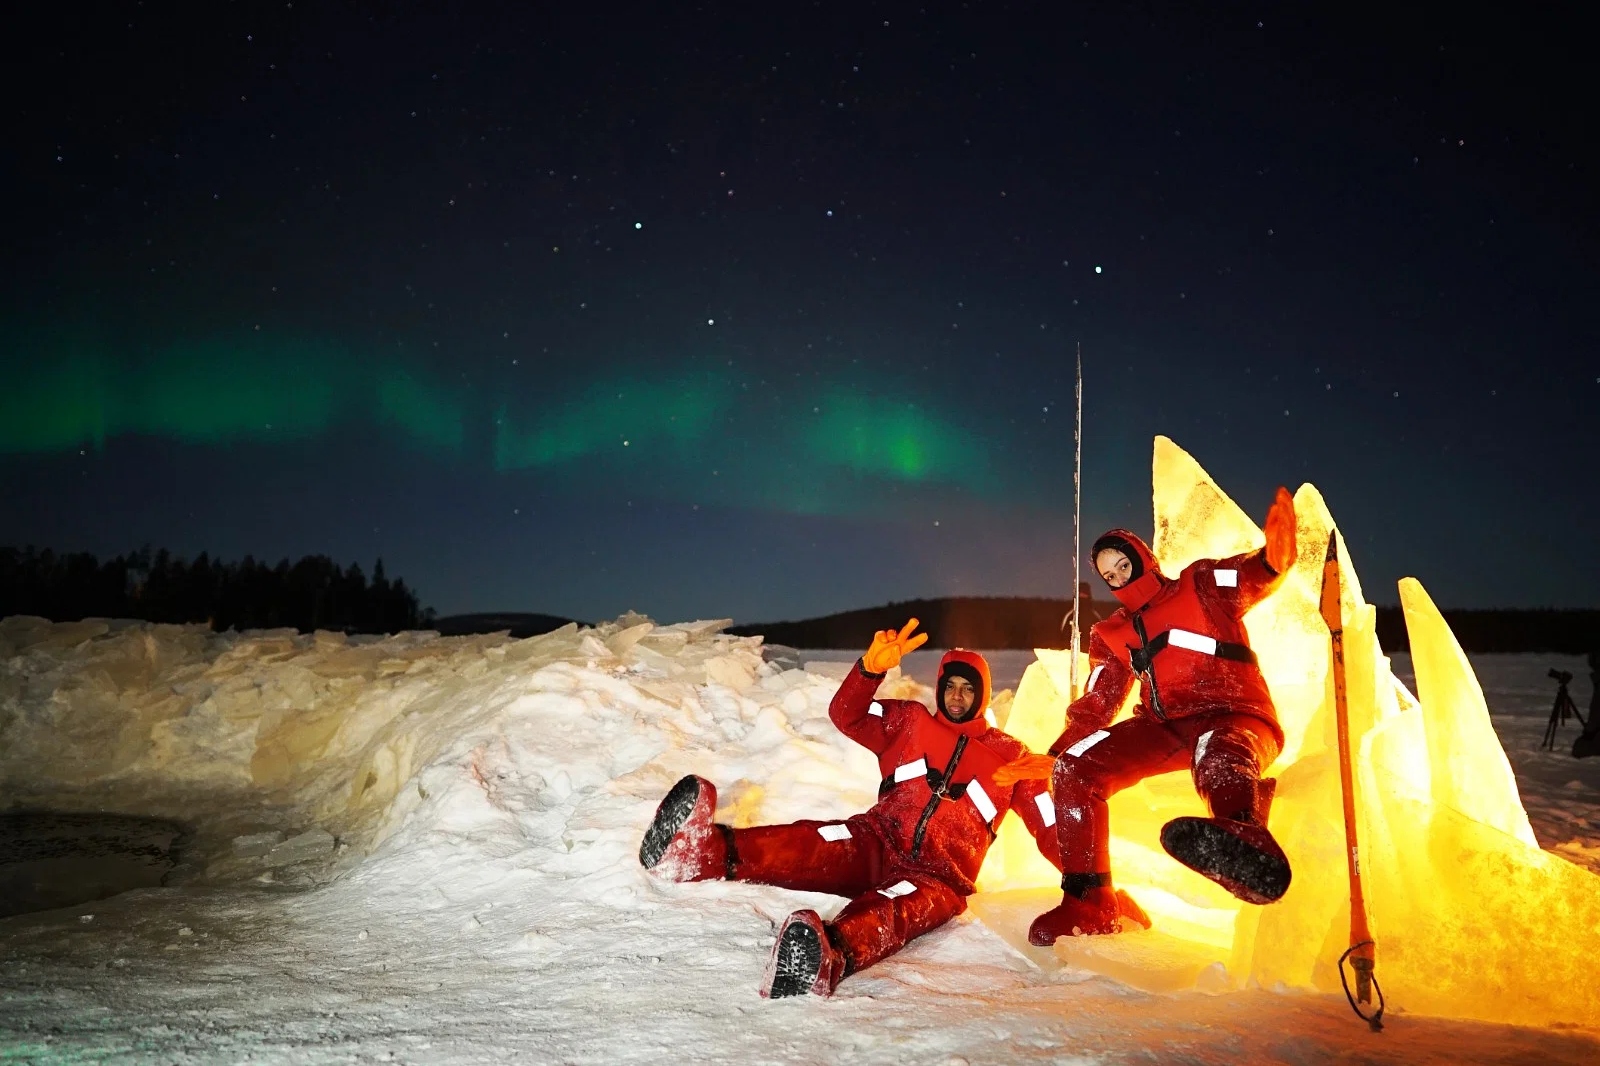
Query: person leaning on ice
x,y
1203,707
907,864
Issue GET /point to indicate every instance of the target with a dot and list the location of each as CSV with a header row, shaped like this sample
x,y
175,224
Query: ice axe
x,y
1362,953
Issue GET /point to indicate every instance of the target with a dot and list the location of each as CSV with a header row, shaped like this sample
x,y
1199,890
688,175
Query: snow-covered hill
x,y
423,849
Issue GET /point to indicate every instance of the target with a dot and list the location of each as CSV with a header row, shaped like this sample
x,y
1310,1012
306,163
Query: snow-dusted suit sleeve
x,y
851,710
1030,799
1108,684
1253,581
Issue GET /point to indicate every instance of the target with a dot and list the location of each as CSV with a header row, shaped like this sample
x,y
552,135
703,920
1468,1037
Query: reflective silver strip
x,y
833,832
910,770
876,710
980,799
899,888
1226,579
1094,675
1087,742
1047,808
1200,746
1182,638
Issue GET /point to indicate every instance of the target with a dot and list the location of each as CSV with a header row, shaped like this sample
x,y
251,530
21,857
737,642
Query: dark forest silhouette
x,y
314,593
991,622
995,622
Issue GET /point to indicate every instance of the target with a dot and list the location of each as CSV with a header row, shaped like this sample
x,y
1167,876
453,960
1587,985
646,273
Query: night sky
x,y
768,310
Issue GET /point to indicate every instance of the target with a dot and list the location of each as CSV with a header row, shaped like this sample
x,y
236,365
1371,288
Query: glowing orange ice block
x,y
1471,918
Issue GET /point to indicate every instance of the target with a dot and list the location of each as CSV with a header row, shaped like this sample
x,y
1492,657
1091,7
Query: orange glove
x,y
1280,533
889,645
1029,767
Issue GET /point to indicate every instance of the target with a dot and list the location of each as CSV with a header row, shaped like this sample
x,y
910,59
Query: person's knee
x,y
1233,750
1084,780
1074,777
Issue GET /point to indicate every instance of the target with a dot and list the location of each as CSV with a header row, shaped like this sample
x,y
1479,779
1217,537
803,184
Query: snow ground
x,y
486,903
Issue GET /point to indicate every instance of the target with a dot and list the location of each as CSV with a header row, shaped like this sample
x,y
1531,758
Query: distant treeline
x,y
996,622
518,625
314,593
1560,632
959,621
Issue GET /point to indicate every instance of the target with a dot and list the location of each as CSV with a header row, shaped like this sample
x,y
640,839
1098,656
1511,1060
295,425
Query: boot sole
x,y
670,817
799,959
1205,847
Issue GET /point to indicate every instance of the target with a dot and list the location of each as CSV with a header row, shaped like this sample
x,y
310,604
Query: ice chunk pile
x,y
279,748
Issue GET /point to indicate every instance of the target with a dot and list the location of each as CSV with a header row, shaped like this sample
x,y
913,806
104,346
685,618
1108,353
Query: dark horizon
x,y
317,593
771,314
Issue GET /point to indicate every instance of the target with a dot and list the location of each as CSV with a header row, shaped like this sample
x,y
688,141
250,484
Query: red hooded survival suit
x,y
1203,704
908,863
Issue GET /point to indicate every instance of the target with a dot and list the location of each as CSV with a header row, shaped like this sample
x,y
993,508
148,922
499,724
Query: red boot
x,y
1099,909
682,843
1238,855
803,960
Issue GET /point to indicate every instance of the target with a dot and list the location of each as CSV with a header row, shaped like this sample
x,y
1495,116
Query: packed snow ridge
x,y
307,754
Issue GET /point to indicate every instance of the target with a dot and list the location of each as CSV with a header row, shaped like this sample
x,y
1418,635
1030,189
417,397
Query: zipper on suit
x,y
938,794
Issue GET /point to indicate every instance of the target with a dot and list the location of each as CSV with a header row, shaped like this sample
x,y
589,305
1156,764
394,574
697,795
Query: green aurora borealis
x,y
821,447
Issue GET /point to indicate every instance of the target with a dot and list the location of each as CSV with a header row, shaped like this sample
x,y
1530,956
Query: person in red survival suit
x,y
907,864
1203,707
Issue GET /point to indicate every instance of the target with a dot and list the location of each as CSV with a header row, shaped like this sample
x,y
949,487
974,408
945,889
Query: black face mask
x,y
1112,542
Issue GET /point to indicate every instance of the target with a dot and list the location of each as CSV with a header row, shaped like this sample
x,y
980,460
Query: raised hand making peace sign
x,y
889,645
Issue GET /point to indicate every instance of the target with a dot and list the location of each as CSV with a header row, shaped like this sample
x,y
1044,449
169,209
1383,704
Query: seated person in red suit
x,y
907,864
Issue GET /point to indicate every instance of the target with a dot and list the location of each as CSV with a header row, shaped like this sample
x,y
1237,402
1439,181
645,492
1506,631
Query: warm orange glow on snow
x,y
1471,918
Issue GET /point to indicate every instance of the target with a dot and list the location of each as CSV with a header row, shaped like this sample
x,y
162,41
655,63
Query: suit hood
x,y
959,662
1147,576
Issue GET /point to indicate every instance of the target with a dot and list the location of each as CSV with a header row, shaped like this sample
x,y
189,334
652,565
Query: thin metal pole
x,y
1077,519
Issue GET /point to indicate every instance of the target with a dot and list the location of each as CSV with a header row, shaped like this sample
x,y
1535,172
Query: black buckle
x,y
936,784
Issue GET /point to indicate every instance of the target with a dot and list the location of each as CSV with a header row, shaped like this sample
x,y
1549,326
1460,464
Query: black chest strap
x,y
1140,658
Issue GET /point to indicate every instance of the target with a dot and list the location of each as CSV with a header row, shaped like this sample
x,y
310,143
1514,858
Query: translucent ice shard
x,y
1470,771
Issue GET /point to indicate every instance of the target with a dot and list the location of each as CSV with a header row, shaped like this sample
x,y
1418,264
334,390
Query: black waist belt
x,y
934,778
1140,658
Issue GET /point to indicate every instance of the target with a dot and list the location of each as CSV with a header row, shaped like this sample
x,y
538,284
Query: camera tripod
x,y
1563,709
